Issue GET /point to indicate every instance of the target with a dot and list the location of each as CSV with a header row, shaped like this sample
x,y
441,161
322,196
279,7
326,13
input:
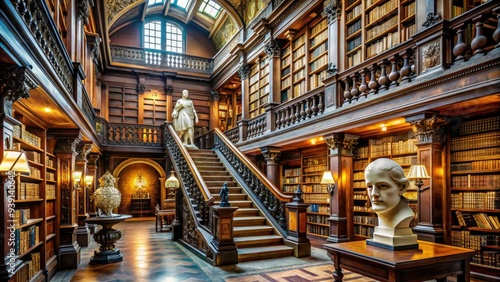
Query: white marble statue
x,y
184,118
386,184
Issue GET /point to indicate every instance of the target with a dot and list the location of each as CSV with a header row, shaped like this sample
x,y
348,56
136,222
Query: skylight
x,y
180,3
210,8
154,2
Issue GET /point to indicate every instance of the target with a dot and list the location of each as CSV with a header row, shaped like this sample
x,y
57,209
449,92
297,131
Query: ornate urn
x,y
107,197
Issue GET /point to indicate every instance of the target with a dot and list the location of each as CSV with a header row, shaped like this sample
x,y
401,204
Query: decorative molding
x,y
82,150
273,48
244,71
271,154
83,11
431,19
214,95
430,55
429,129
68,145
92,159
114,7
14,85
331,69
341,140
284,15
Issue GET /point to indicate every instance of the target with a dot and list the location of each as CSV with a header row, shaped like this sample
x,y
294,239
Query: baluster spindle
x,y
278,119
283,117
314,106
373,84
363,87
297,112
354,89
347,91
308,109
321,106
479,40
406,69
383,80
394,75
287,118
292,114
496,33
303,113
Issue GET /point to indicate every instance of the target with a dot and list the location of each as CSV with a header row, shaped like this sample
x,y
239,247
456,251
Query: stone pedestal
x,y
107,237
393,239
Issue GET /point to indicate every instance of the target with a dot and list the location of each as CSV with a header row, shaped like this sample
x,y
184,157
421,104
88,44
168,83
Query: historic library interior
x,y
252,140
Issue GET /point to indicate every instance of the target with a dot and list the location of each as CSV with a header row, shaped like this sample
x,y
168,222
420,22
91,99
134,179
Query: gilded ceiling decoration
x,y
113,7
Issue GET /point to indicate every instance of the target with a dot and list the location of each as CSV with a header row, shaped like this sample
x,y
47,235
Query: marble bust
x,y
386,184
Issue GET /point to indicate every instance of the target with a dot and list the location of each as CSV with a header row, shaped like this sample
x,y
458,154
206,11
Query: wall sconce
x,y
418,173
15,161
88,180
77,177
327,180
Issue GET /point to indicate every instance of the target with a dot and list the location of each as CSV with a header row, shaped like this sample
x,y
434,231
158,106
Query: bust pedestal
x,y
393,238
107,237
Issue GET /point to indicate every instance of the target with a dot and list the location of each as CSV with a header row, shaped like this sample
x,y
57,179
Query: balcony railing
x,y
129,134
160,59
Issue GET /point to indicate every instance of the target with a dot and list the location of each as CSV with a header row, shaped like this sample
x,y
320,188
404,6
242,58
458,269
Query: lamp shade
x,y
14,161
327,178
172,181
418,171
77,176
89,179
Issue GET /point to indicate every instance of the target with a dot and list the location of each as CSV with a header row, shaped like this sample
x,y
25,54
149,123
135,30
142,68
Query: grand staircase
x,y
255,238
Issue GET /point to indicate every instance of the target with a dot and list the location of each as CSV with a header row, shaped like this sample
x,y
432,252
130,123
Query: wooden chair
x,y
165,217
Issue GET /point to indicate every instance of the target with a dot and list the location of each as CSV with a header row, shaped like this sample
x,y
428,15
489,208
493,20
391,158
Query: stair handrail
x,y
275,190
173,142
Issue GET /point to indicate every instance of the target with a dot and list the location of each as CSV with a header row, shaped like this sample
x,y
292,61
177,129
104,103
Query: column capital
x,y
14,85
273,48
428,127
341,141
214,95
271,154
82,150
332,10
244,71
67,142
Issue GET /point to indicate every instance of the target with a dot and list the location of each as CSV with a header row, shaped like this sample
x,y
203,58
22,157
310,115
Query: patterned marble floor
x,y
152,256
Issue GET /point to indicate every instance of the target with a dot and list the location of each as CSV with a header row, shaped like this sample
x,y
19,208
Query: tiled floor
x,y
152,256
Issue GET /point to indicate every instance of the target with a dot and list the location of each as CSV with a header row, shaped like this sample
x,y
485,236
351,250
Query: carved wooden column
x,y
271,155
15,83
273,51
340,147
69,249
83,232
333,12
169,89
428,129
244,73
214,110
92,166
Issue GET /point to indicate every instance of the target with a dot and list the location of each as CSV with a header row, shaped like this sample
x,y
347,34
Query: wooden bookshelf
x,y
459,7
402,149
475,191
123,104
374,26
286,73
299,64
318,53
253,101
35,203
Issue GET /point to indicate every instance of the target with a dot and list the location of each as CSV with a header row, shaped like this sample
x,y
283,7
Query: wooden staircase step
x,y
248,220
257,253
232,190
214,173
241,204
231,197
218,178
220,183
252,230
246,212
255,241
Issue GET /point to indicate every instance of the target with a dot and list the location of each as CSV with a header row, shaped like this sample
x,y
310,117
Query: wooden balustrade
x,y
300,109
128,134
257,126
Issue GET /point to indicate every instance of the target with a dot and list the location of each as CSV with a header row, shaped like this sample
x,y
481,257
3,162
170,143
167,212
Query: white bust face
x,y
383,191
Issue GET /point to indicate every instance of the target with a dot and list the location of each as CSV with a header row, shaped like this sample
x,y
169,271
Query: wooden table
x,y
429,261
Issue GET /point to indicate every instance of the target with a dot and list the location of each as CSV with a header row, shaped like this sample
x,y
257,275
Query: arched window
x,y
163,35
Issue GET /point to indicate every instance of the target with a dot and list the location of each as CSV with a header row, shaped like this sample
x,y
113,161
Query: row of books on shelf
x,y
354,59
476,165
469,154
299,88
316,229
372,220
50,191
476,181
362,208
318,208
290,188
299,41
28,137
320,62
314,188
49,162
465,239
476,141
34,156
51,176
404,161
359,184
309,179
360,164
301,51
409,10
354,12
363,230
376,30
299,75
316,198
316,79
386,42
28,191
26,238
291,180
292,171
286,82
355,27
35,172
481,220
475,200
285,61
408,31
313,162
318,27
381,11
321,219
21,216
393,148
29,269
360,195
353,44
475,126
319,38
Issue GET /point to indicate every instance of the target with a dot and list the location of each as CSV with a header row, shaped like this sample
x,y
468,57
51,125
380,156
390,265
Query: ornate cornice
x,y
341,141
429,129
83,11
14,85
68,145
273,49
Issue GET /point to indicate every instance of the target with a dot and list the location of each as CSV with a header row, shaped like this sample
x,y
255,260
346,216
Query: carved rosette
x,y
214,95
430,55
429,129
333,10
272,49
244,71
14,85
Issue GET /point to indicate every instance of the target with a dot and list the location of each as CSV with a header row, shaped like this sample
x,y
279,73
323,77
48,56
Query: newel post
x,y
297,226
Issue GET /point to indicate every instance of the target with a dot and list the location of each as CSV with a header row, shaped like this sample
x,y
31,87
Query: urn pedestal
x,y
107,237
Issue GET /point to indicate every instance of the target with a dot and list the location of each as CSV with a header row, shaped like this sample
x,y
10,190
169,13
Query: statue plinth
x,y
394,239
107,237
